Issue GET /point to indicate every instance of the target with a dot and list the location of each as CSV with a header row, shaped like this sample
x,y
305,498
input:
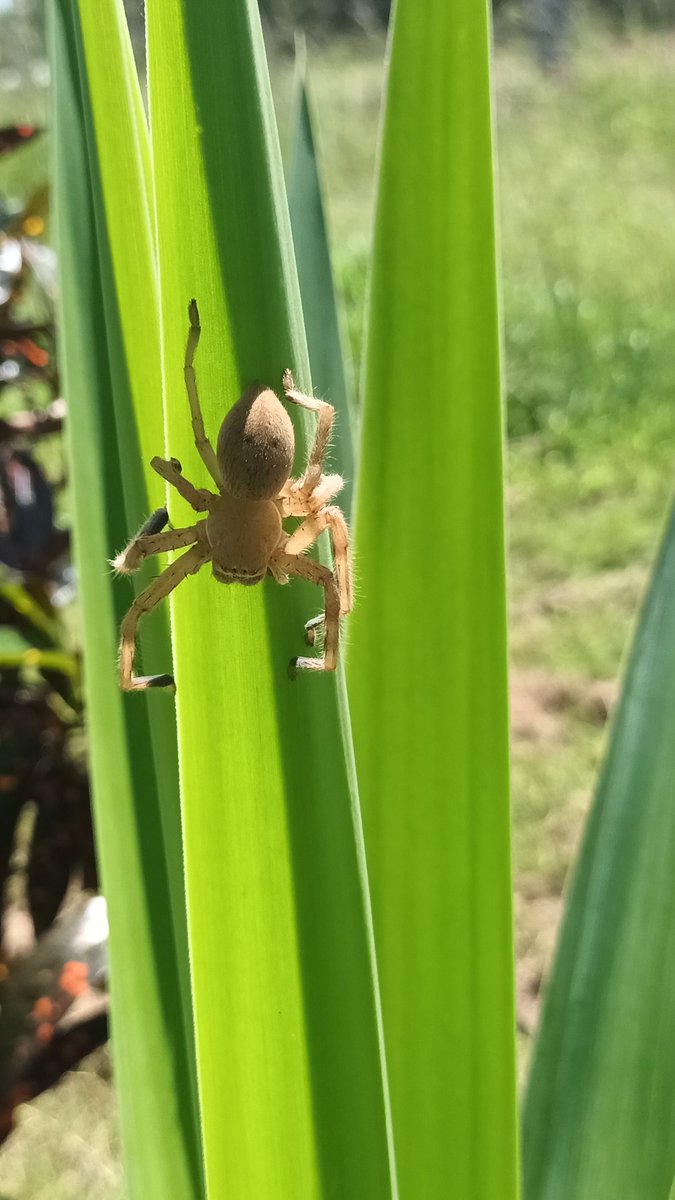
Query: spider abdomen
x,y
256,446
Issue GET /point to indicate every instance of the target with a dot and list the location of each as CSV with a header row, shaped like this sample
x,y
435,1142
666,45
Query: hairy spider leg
x,y
170,469
143,545
155,523
314,572
296,503
202,443
188,564
326,416
307,533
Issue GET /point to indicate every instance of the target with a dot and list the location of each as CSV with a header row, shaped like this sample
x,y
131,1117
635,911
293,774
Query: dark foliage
x,y
343,15
47,860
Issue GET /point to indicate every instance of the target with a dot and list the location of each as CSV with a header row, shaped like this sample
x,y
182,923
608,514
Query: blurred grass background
x,y
586,174
587,196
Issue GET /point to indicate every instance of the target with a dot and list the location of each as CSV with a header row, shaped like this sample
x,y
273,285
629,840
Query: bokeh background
x,y
585,140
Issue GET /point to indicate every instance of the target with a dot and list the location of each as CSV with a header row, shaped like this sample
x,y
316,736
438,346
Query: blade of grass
x,y
157,1116
286,1009
16,653
15,597
598,1117
427,658
119,149
330,371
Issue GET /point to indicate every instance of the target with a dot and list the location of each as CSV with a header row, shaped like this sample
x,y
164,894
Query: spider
x,y
243,535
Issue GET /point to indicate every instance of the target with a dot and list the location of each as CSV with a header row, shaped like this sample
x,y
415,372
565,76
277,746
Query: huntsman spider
x,y
242,535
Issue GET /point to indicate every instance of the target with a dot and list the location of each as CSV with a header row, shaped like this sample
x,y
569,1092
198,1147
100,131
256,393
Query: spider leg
x,y
326,416
188,564
294,502
314,628
306,568
202,443
170,469
148,542
307,533
156,522
326,489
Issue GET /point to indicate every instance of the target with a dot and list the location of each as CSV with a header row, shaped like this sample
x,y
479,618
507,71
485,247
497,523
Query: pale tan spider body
x,y
255,452
243,536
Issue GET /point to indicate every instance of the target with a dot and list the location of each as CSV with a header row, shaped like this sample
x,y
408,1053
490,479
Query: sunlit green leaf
x,y
286,1011
331,379
119,144
427,657
130,796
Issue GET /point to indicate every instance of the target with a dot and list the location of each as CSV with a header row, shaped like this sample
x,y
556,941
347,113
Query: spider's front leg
x,y
326,416
202,443
170,469
151,540
188,564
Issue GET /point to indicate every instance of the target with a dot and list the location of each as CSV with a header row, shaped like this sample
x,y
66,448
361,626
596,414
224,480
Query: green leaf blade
x,y
156,1112
119,139
317,288
119,149
288,1044
427,657
598,1113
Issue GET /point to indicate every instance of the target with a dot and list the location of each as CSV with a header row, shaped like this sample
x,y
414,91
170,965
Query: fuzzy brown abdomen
x,y
256,446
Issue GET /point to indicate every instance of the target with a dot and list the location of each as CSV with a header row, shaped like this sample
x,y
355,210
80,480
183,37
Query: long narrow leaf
x,y
427,659
120,153
330,375
152,1074
286,1012
598,1120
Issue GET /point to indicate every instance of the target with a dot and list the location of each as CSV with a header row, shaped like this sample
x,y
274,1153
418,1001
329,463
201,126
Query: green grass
x,y
588,205
587,254
587,183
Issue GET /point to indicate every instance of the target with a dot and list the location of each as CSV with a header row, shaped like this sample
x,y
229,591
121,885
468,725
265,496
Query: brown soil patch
x,y
542,704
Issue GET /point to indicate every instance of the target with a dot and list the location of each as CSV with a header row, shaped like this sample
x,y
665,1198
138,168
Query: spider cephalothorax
x,y
243,535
